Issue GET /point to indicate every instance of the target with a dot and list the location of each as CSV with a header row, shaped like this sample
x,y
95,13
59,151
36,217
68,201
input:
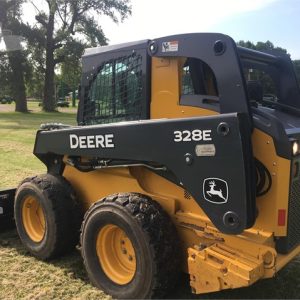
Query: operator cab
x,y
134,81
274,96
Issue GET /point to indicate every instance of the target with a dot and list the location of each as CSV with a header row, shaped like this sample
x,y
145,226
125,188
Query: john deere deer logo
x,y
215,190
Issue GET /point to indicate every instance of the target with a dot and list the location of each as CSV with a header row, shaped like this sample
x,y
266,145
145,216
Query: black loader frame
x,y
145,143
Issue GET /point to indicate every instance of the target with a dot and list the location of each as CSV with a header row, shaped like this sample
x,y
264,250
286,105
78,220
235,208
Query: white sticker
x,y
170,46
205,150
1,210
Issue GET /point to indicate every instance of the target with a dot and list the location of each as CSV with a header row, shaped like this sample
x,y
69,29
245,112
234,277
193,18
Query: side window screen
x,y
115,93
198,85
187,84
198,78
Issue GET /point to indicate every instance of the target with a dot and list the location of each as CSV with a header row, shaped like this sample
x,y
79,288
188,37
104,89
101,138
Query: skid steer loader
x,y
177,163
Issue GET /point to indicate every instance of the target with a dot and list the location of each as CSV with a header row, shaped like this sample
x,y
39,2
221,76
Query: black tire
x,y
62,215
153,237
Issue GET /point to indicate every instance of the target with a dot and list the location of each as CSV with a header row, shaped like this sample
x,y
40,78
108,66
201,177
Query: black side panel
x,y
7,204
210,157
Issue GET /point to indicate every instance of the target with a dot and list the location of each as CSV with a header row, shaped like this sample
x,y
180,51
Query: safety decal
x,y
215,190
170,46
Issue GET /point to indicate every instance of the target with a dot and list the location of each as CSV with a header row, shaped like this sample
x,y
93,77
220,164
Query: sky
x,y
254,20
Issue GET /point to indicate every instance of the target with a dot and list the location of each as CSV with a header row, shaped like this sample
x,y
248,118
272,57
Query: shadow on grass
x,y
71,263
286,285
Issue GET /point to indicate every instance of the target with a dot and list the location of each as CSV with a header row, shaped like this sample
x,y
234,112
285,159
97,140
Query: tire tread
x,y
163,238
67,213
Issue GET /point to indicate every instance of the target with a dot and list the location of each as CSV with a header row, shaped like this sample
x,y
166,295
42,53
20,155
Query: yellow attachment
x,y
116,254
220,267
33,219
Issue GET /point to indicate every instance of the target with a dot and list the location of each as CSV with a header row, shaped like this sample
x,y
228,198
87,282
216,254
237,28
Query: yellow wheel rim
x,y
33,219
116,254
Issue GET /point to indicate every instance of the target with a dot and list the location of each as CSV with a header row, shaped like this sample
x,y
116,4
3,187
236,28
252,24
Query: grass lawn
x,y
23,277
17,135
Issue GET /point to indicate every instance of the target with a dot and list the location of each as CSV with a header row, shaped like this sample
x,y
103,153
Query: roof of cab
x,y
114,48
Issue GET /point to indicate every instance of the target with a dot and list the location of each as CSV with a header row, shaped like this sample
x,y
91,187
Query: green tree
x,y
10,12
262,46
61,20
35,76
71,67
6,83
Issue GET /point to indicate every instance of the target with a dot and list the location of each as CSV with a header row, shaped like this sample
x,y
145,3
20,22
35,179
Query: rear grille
x,y
286,244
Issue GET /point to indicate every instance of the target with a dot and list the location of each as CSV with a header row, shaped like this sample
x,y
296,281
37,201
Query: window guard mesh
x,y
115,93
187,84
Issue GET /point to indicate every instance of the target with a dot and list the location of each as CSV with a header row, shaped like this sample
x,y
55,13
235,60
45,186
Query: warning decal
x,y
170,46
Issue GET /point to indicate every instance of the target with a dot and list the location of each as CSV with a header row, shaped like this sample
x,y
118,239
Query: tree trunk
x,y
16,61
49,95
